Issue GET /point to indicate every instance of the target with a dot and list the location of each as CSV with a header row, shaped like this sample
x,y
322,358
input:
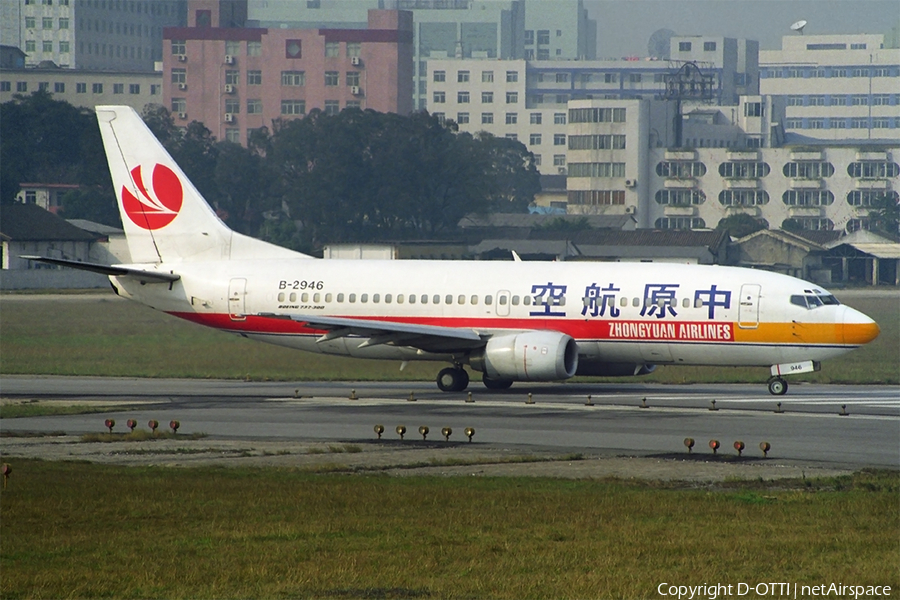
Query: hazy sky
x,y
624,26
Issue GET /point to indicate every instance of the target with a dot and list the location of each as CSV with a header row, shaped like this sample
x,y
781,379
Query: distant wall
x,y
50,279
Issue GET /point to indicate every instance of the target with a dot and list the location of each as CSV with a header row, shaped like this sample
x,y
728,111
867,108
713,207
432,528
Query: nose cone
x,y
858,329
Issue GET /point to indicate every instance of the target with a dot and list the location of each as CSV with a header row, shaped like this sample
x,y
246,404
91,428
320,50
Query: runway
x,y
823,425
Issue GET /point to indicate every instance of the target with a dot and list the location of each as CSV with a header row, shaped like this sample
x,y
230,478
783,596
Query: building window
x,y
881,100
808,170
680,197
536,118
254,77
179,105
47,23
293,107
634,77
81,88
543,36
512,76
811,223
743,197
134,88
59,87
562,78
462,77
47,45
293,78
332,49
487,97
743,169
354,49
293,48
30,23
440,76
64,47
439,97
21,86
597,169
462,118
30,46
332,78
511,136
5,86
597,197
462,97
512,118
487,118
44,86
232,48
598,142
232,106
233,134
559,160
332,107
529,37
254,48
534,139
709,46
559,139
680,223
868,198
873,169
559,118
487,77
859,123
232,76
512,97
680,170
97,88
807,197
254,107
178,46
597,115
353,78
684,46
838,101
881,123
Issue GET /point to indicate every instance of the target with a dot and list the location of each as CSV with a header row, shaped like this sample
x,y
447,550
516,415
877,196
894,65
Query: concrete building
x,y
46,195
120,35
838,88
235,80
85,88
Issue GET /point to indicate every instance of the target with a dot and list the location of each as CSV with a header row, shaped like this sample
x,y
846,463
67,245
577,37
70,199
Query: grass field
x,y
80,530
110,337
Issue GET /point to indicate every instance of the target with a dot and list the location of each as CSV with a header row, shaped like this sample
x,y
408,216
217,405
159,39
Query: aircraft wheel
x,y
452,379
496,384
777,386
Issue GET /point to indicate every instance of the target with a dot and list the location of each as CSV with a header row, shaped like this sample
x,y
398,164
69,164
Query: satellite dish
x,y
658,46
798,26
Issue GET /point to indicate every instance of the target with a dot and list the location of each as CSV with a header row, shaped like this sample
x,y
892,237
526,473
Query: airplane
x,y
511,321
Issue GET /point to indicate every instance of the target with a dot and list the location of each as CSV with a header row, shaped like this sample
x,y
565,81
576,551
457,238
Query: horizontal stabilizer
x,y
142,275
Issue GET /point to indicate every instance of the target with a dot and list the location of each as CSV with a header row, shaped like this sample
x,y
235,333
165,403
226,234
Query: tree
x,y
884,214
792,225
741,225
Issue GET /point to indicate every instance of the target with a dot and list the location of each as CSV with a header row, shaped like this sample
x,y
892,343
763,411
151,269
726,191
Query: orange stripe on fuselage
x,y
851,334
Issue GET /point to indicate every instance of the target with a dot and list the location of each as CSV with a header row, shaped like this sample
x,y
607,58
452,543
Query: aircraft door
x,y
237,294
748,309
503,303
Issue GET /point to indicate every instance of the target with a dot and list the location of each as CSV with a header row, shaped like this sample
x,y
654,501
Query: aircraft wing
x,y
140,274
430,338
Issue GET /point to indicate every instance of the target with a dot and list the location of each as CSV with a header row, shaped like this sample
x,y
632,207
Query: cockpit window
x,y
811,301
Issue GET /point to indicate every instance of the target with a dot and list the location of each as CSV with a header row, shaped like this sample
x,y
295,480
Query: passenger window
x,y
448,299
352,298
562,301
327,297
317,298
293,297
424,298
387,298
400,299
636,302
686,303
376,298
488,299
281,297
474,299
623,301
461,299
340,297
364,298
526,300
515,300
698,303
435,299
304,297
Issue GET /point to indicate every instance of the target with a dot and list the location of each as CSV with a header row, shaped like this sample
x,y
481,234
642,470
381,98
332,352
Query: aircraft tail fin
x,y
164,216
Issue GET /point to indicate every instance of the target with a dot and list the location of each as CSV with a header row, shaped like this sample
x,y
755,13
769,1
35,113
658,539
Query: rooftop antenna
x,y
798,26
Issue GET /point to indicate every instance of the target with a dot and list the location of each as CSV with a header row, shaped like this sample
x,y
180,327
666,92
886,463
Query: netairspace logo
x,y
773,590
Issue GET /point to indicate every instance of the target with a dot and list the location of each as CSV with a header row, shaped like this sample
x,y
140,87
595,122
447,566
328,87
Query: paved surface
x,y
810,432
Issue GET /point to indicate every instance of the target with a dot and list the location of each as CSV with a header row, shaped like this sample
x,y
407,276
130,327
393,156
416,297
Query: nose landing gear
x,y
777,386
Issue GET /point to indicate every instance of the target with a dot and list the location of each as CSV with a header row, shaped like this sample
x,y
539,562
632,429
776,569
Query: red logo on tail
x,y
156,210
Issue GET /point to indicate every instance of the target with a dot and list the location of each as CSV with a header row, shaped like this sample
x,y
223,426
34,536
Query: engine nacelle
x,y
529,356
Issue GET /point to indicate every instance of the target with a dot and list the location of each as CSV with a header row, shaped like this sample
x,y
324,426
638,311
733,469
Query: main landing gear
x,y
453,379
777,386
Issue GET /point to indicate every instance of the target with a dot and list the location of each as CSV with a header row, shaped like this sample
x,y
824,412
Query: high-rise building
x,y
235,80
109,35
836,87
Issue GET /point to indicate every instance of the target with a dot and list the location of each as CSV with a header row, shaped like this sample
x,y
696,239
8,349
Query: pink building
x,y
235,80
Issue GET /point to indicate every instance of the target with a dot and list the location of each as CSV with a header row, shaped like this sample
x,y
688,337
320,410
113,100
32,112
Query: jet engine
x,y
528,356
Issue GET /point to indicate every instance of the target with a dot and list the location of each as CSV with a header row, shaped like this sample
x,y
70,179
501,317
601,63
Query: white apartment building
x,y
614,167
836,87
84,88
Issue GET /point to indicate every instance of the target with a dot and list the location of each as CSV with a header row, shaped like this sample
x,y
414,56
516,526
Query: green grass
x,y
81,530
110,337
